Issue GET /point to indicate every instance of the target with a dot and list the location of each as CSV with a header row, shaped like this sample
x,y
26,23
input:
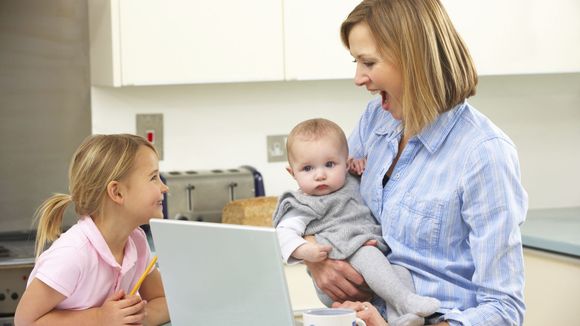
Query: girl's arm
x,y
152,291
37,307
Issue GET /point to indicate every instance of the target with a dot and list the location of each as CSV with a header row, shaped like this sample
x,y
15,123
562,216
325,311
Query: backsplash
x,y
225,125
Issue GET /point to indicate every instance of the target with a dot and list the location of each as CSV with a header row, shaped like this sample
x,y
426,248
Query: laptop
x,y
222,274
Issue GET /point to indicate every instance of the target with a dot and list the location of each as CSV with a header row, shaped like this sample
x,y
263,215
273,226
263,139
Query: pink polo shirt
x,y
80,266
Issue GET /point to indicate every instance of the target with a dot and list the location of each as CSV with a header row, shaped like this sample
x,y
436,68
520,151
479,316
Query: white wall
x,y
225,125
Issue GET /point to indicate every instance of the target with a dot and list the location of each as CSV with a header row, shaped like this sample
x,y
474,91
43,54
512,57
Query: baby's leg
x,y
383,280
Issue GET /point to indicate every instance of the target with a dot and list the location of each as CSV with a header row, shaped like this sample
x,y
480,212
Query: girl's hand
x,y
364,311
121,310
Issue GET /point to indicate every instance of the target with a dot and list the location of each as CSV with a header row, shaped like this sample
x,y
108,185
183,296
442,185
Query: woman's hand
x,y
356,166
364,311
339,280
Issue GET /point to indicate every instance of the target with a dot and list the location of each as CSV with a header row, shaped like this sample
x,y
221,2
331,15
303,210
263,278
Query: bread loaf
x,y
251,211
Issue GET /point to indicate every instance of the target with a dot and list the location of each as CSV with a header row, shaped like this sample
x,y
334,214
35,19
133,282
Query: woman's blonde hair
x,y
314,129
418,37
99,160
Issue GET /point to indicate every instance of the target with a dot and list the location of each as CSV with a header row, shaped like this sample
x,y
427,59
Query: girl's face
x,y
144,188
318,166
377,74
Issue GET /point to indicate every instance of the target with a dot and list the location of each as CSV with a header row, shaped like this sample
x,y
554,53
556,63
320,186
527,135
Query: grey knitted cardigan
x,y
339,219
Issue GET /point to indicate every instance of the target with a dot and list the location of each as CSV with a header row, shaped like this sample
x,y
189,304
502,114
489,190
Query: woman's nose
x,y
164,188
360,78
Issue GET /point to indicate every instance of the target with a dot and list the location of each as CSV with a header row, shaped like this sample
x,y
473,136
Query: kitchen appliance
x,y
16,263
200,195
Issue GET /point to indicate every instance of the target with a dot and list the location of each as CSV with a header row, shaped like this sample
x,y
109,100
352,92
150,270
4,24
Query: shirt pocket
x,y
420,220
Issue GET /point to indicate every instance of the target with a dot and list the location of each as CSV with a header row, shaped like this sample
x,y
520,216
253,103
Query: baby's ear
x,y
289,169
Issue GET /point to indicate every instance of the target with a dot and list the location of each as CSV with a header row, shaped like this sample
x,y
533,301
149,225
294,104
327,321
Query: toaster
x,y
201,195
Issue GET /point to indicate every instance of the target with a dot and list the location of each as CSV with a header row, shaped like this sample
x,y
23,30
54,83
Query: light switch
x,y
150,127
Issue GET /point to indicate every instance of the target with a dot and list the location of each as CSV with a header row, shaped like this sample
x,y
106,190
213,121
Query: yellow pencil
x,y
144,275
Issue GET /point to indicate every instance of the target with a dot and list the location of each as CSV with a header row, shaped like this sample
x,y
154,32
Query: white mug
x,y
331,317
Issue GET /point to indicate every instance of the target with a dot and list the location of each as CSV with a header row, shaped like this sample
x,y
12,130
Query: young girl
x,y
85,276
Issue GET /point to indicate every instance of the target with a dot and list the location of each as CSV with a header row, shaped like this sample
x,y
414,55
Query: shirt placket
x,y
117,279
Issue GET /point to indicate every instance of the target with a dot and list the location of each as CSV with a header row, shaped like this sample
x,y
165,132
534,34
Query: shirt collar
x,y
391,128
435,133
93,234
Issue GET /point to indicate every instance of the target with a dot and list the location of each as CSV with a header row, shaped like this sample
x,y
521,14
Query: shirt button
x,y
397,175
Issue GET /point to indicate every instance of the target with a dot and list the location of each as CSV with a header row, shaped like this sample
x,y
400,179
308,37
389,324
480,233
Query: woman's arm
x,y
37,307
338,279
152,291
494,205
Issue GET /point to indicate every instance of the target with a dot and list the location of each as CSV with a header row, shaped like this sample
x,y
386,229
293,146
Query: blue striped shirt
x,y
451,211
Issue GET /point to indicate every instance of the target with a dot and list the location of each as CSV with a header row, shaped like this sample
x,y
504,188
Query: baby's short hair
x,y
314,129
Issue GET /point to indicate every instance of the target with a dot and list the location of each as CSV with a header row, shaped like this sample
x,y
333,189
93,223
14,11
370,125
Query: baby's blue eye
x,y
330,164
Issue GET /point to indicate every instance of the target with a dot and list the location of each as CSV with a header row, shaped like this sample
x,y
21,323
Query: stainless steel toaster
x,y
200,195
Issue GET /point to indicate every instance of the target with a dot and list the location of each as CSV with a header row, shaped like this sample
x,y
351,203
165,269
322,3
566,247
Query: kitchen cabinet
x,y
552,289
519,36
157,42
313,49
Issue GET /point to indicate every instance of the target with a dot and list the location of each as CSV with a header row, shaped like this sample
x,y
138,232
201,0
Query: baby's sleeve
x,y
290,231
60,269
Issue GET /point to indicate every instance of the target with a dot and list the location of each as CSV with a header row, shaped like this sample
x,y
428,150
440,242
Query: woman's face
x,y
377,74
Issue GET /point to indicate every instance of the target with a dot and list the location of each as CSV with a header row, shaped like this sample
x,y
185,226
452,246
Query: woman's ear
x,y
114,192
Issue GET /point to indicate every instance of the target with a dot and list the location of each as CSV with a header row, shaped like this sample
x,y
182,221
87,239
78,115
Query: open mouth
x,y
386,104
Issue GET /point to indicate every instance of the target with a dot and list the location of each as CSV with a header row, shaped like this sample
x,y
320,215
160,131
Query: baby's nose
x,y
320,175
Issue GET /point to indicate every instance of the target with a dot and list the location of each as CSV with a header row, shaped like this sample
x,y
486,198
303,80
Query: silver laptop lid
x,y
221,274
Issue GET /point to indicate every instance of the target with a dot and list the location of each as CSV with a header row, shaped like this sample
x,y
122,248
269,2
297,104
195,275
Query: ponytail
x,y
49,216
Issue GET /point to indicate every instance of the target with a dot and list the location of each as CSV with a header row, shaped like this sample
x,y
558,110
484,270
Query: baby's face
x,y
319,166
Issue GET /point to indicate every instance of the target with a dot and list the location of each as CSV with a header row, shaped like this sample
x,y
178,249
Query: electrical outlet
x,y
276,147
150,127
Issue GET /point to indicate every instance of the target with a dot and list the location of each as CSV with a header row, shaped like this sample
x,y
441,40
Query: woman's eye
x,y
330,164
369,64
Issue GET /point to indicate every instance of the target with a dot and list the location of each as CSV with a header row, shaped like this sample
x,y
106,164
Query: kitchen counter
x,y
554,230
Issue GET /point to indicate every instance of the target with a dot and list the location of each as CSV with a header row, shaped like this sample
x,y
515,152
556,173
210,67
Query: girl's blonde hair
x,y
99,160
314,129
419,38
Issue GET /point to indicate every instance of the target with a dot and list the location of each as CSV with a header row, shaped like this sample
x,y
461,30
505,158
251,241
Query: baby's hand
x,y
356,166
312,252
122,310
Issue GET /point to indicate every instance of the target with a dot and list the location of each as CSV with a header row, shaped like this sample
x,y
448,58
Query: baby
x,y
328,205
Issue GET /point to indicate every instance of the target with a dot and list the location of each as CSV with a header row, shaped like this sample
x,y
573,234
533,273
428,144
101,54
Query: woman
x,y
442,180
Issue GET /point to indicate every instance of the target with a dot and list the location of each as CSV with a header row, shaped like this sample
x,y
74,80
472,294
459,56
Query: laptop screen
x,y
221,274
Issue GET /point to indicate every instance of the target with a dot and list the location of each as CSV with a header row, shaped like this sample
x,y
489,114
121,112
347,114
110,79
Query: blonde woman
x,y
85,276
440,177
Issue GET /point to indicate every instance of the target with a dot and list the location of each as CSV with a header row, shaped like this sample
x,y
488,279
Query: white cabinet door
x,y
313,49
156,42
519,36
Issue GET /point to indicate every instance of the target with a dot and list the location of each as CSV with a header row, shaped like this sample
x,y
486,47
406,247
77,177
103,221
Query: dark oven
x,y
16,262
